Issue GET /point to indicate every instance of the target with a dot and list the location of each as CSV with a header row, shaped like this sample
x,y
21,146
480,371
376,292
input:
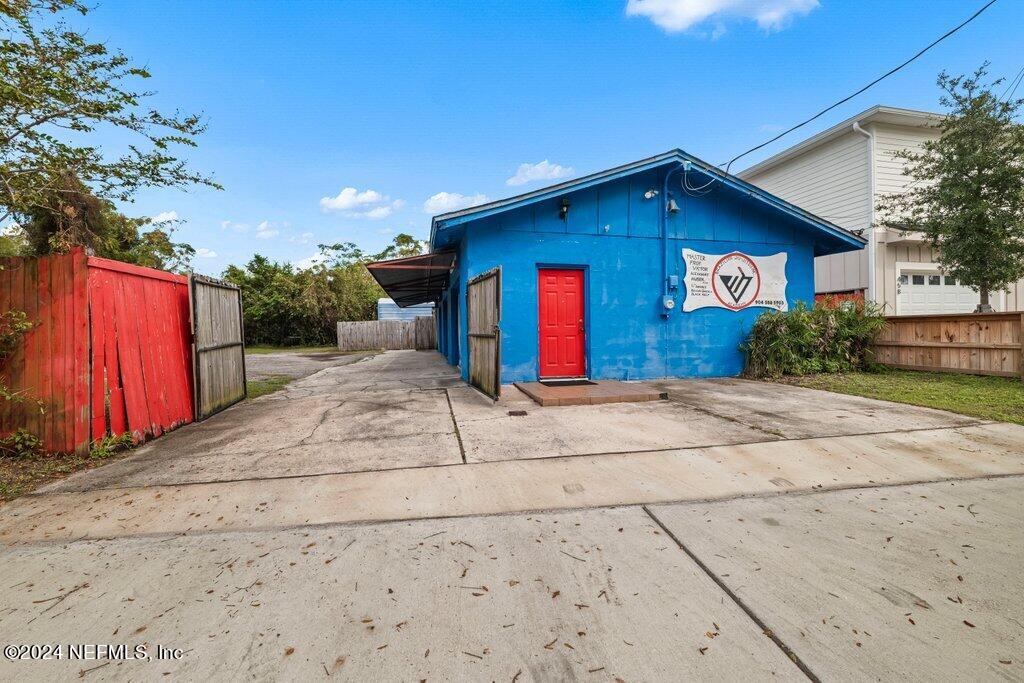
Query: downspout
x,y
872,247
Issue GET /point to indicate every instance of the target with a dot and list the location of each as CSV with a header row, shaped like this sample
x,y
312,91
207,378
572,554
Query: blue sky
x,y
420,106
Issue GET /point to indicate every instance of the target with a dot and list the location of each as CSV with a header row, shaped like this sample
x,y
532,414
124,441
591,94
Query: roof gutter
x,y
870,230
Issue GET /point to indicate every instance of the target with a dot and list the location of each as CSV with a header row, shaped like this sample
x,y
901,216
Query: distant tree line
x,y
284,305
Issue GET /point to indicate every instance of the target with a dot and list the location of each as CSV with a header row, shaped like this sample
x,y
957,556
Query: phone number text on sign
x,y
734,281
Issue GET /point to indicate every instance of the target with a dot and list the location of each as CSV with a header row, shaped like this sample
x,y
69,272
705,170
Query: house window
x,y
950,281
919,279
935,279
904,279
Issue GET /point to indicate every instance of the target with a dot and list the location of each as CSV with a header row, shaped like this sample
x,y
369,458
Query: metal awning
x,y
416,279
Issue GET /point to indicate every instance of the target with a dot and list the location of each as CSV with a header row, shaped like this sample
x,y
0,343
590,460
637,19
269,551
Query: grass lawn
x,y
990,398
295,349
265,385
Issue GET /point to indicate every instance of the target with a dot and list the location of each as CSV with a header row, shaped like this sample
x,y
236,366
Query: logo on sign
x,y
735,280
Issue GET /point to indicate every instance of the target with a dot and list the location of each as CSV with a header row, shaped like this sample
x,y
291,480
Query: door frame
x,y
585,270
496,273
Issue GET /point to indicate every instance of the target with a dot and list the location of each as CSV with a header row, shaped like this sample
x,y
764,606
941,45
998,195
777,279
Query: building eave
x,y
877,114
455,218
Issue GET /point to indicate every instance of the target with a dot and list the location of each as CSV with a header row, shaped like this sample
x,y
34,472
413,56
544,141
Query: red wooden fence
x,y
110,351
141,349
51,365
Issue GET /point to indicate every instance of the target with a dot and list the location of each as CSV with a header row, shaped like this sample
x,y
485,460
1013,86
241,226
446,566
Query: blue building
x,y
657,268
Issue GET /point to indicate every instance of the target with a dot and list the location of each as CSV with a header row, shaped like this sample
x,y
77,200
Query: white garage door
x,y
931,292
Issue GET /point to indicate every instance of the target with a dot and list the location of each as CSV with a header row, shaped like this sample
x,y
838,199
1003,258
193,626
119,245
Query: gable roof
x,y
879,113
454,218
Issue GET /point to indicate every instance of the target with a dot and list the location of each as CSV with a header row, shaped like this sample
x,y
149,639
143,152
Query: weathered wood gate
x,y
218,344
483,314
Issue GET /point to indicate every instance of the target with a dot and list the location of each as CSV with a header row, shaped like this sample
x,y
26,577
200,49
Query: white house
x,y
840,174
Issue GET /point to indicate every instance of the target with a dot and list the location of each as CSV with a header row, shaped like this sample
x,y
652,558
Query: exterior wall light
x,y
650,194
671,206
563,210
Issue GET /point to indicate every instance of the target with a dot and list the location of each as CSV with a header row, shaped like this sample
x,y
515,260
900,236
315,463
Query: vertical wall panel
x,y
139,372
46,366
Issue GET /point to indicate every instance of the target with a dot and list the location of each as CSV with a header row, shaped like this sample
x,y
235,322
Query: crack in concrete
x,y
792,656
455,425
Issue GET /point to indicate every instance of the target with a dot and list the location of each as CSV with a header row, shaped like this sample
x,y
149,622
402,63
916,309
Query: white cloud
x,y
304,238
203,252
675,16
266,230
309,261
543,170
164,216
366,204
443,202
234,227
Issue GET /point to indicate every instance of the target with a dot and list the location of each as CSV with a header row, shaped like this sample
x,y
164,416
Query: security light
x,y
563,210
671,206
650,194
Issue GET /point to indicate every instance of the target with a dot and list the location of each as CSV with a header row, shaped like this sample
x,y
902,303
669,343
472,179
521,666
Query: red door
x,y
561,323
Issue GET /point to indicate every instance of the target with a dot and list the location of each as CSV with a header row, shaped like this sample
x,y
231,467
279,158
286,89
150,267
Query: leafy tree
x,y
286,305
57,87
402,246
968,191
80,218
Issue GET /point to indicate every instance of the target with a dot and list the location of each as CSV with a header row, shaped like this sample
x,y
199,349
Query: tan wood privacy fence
x,y
969,343
219,349
418,333
483,314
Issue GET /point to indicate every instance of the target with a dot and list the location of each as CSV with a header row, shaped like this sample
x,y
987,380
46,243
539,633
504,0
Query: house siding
x,y
891,178
831,181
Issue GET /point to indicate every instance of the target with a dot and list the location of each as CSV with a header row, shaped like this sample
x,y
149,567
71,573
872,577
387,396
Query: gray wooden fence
x,y
219,352
366,335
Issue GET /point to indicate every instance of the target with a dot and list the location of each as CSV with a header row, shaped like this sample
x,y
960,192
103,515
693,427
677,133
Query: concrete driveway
x,y
408,409
296,363
381,519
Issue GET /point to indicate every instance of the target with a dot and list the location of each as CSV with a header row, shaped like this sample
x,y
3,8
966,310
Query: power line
x,y
947,34
1014,84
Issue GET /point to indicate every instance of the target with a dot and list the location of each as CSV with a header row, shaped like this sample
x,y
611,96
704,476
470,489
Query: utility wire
x,y
1014,84
947,34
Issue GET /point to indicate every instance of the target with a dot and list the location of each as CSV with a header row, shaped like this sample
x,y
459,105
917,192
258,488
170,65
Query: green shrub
x,y
832,337
21,444
109,445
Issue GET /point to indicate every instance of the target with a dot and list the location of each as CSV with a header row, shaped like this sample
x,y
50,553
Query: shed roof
x,y
838,238
416,279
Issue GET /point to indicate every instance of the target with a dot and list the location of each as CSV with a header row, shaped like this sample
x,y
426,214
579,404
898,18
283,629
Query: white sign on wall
x,y
734,281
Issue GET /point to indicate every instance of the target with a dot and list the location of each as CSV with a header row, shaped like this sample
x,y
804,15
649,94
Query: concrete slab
x,y
906,583
296,364
798,413
490,433
522,485
603,594
329,422
594,393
